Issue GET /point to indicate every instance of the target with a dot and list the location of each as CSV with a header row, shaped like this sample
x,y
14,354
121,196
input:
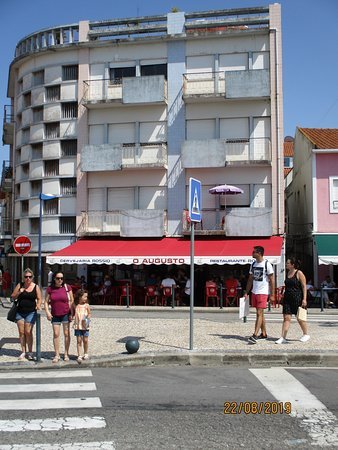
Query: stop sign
x,y
22,245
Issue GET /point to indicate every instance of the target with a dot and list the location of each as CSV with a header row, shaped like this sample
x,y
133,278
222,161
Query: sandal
x,y
79,359
56,359
85,356
22,357
30,357
66,358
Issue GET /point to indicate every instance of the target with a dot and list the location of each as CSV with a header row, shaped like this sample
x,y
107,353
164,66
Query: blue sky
x,y
310,45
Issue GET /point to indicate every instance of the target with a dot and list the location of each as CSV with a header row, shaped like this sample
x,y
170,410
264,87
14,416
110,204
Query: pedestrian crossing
x,y
320,423
42,396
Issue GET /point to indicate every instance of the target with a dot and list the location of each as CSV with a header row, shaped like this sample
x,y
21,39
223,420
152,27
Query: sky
x,y
309,39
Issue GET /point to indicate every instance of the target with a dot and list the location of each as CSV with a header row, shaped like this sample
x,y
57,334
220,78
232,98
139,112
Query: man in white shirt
x,y
168,282
261,281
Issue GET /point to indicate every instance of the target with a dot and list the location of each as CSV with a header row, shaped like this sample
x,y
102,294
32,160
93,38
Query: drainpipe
x,y
279,168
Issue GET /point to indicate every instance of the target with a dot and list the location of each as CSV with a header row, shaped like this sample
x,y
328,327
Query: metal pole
x,y
192,284
40,243
38,337
22,266
221,297
127,292
173,297
321,300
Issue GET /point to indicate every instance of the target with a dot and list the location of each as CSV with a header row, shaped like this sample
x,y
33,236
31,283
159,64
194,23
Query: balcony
x,y
8,126
127,223
129,90
234,222
226,152
6,177
6,228
123,156
236,84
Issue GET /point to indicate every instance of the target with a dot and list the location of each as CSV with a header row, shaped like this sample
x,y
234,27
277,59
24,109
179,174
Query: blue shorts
x,y
27,317
81,332
57,320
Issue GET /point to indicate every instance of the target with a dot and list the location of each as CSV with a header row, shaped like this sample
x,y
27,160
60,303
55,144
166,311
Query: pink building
x,y
312,202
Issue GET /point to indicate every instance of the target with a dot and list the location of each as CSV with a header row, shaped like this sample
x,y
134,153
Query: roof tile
x,y
322,138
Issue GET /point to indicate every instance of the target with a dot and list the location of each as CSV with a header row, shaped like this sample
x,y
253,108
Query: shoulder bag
x,y
12,312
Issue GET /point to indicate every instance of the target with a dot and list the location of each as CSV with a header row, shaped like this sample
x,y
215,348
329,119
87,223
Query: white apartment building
x,y
113,118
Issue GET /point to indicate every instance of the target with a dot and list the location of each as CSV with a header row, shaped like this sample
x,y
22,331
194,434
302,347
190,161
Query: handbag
x,y
302,314
12,312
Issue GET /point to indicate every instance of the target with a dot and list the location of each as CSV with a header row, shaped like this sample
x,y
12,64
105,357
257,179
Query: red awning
x,y
166,251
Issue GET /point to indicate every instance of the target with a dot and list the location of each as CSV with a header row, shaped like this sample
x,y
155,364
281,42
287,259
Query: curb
x,y
189,358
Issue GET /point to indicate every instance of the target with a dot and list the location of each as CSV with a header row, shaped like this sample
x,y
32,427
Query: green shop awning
x,y
327,248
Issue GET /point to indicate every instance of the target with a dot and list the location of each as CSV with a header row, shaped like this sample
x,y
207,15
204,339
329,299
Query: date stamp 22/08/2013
x,y
257,408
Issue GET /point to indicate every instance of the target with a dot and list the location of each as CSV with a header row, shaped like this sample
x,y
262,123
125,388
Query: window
x,y
67,225
52,130
68,186
20,86
37,114
25,135
38,78
36,187
36,151
117,73
69,147
34,226
154,69
16,227
25,170
52,168
288,162
333,195
17,190
27,100
24,207
69,110
51,207
69,73
53,93
19,120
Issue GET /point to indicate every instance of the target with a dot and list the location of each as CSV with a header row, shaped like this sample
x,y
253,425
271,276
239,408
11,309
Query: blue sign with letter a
x,y
195,200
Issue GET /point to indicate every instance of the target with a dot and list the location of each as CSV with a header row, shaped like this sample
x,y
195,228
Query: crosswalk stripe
x,y
63,387
106,445
320,423
47,374
54,424
50,403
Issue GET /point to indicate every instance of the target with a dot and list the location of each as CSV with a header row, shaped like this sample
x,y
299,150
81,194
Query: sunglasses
x,y
28,276
59,278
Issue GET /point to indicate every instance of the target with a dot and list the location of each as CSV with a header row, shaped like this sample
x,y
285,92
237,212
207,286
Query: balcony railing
x,y
5,228
232,221
6,177
228,84
123,222
154,154
130,90
122,156
8,126
221,152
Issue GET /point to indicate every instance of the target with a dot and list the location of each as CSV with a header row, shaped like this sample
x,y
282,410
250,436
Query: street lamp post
x,y
42,197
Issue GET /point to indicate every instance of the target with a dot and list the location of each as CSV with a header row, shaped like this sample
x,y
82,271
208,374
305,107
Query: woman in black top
x,y
294,296
28,295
